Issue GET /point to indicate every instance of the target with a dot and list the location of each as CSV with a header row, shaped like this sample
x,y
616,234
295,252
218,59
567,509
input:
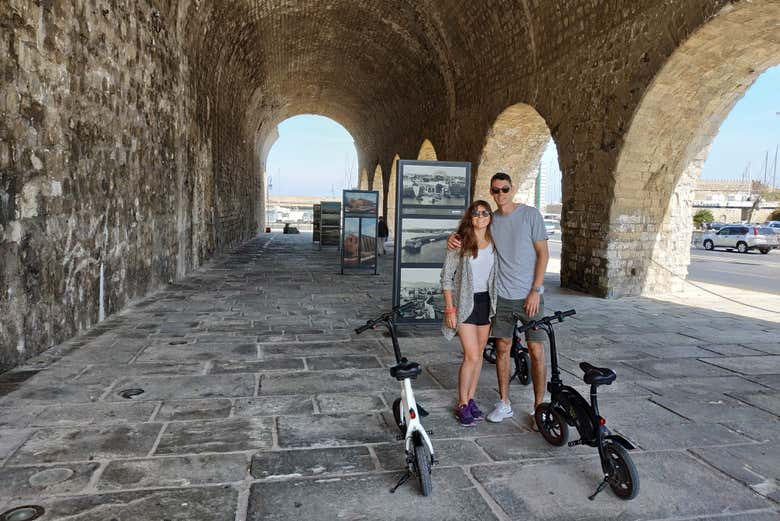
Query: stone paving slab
x,y
257,366
329,430
188,410
527,446
715,409
86,444
678,368
181,471
76,415
199,352
562,487
36,482
367,497
750,365
54,393
315,462
207,503
754,465
703,386
179,387
232,435
679,435
274,405
10,439
320,363
349,402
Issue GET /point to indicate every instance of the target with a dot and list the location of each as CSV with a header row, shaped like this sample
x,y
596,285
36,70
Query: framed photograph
x,y
434,183
358,245
423,287
424,241
361,202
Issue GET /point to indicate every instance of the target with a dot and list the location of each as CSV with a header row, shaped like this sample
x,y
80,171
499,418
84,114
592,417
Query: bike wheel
x,y
399,418
489,353
551,425
523,368
422,464
623,478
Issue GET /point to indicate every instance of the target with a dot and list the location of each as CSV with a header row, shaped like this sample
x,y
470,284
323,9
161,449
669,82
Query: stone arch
x,y
514,145
364,181
427,152
378,185
669,139
391,188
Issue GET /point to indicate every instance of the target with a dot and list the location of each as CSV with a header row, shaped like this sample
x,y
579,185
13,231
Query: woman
x,y
468,283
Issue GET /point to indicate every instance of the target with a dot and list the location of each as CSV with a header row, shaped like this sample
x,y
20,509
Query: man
x,y
521,246
381,233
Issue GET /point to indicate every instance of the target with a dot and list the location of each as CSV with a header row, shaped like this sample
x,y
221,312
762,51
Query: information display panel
x,y
359,245
431,197
315,236
330,223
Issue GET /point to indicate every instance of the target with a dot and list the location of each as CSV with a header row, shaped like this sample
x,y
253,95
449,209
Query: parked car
x,y
743,238
775,225
552,227
714,226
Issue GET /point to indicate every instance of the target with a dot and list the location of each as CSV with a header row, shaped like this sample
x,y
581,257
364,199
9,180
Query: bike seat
x,y
405,369
597,375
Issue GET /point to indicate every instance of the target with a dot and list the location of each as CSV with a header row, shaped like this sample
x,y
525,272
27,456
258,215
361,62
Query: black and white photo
x,y
422,286
425,240
434,185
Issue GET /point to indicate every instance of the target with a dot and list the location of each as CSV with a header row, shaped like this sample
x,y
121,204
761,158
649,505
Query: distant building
x,y
293,208
733,200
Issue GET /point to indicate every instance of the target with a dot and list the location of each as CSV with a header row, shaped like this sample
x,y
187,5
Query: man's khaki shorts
x,y
504,322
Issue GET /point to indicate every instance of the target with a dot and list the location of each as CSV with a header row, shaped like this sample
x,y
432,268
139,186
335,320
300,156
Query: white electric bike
x,y
406,411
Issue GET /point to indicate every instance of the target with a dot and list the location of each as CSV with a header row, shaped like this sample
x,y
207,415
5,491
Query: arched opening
x,y
427,152
391,197
296,181
668,143
377,184
514,145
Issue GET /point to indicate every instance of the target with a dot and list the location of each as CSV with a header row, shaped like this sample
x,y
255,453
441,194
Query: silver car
x,y
742,238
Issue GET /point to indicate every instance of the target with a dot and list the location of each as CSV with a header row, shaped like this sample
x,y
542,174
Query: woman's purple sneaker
x,y
464,416
475,412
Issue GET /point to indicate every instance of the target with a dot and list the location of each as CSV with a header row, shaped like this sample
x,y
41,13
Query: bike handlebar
x,y
534,324
384,316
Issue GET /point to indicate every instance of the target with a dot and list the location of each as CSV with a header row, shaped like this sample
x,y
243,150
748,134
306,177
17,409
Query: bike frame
x,y
563,395
413,424
408,403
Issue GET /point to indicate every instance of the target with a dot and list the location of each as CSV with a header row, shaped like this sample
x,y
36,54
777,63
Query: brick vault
x,y
133,134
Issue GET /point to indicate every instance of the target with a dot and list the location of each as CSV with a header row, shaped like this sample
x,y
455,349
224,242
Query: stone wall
x,y
108,184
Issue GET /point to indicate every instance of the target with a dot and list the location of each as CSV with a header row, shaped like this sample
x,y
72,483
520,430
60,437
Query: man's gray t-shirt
x,y
514,236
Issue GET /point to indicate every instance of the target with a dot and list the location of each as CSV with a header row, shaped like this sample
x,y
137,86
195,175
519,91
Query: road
x,y
751,270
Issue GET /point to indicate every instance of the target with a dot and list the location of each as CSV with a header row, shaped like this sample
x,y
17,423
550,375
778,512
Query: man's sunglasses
x,y
483,213
504,189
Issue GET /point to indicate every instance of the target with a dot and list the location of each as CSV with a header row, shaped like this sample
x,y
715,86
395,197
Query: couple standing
x,y
495,267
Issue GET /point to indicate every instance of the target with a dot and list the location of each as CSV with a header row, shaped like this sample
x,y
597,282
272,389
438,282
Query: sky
x,y
314,155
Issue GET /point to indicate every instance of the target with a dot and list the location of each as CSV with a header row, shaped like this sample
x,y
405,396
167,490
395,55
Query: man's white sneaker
x,y
502,410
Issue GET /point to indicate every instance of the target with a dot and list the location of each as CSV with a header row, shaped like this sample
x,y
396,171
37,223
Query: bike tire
x,y
623,478
551,424
422,464
523,368
399,418
489,352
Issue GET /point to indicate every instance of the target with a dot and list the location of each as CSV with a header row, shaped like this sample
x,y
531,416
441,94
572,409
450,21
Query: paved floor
x,y
260,403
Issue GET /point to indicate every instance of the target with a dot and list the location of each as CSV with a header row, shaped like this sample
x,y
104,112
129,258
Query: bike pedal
x,y
575,443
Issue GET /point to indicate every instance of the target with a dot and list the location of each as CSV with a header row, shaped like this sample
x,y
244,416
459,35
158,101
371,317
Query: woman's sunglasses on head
x,y
504,189
483,213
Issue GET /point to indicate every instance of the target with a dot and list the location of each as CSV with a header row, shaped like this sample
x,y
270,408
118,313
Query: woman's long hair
x,y
468,238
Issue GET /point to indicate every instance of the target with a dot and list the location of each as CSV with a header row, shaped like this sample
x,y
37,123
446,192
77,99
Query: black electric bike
x,y
567,408
518,353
